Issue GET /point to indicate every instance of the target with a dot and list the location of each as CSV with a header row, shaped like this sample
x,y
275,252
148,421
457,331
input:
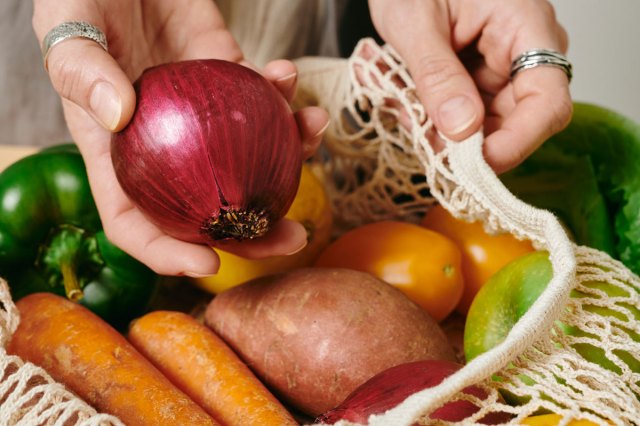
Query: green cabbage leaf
x,y
589,176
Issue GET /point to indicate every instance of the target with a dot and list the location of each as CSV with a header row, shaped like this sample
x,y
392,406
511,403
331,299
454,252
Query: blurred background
x,y
604,47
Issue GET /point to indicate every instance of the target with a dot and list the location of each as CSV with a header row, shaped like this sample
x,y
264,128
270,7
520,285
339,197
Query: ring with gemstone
x,y
541,57
72,29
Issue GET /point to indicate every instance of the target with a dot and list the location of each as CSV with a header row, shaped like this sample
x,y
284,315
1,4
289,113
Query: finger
x,y
537,103
444,86
284,75
134,234
542,108
312,122
368,78
489,81
285,238
511,28
83,73
194,32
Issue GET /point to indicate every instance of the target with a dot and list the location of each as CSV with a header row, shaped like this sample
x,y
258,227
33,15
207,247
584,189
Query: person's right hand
x,y
98,98
459,53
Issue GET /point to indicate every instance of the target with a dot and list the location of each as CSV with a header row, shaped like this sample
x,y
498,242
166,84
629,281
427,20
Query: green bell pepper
x,y
51,239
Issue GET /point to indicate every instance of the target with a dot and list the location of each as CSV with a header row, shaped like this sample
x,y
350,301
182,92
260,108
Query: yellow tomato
x,y
312,208
423,264
553,420
482,254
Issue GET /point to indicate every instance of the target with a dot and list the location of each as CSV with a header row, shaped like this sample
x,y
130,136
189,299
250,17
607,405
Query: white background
x,y
604,47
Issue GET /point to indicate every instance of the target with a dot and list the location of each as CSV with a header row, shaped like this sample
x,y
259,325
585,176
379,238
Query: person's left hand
x,y
98,98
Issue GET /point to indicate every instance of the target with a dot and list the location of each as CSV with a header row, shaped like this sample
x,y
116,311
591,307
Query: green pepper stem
x,y
71,284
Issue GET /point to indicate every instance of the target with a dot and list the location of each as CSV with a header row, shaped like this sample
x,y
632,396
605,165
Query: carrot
x,y
92,359
198,362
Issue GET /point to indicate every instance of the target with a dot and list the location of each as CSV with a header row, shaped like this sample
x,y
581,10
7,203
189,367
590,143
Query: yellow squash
x,y
554,420
312,208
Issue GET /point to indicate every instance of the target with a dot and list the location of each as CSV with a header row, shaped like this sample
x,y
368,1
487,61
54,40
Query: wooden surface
x,y
10,154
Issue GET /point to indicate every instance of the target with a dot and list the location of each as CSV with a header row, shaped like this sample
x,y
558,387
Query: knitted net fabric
x,y
28,395
375,169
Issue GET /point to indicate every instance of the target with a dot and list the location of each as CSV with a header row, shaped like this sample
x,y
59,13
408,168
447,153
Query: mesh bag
x,y
375,169
28,395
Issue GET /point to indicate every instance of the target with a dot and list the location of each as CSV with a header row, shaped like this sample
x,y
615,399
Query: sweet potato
x,y
313,335
201,364
92,359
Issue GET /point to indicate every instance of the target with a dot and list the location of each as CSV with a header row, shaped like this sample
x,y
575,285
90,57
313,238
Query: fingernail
x,y
197,274
300,248
303,237
287,83
324,128
106,105
456,115
287,77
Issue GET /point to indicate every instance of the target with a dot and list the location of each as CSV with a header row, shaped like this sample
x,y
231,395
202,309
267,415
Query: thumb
x,y
83,73
446,89
444,86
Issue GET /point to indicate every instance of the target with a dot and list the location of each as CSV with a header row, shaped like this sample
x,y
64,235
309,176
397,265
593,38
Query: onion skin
x,y
212,152
389,388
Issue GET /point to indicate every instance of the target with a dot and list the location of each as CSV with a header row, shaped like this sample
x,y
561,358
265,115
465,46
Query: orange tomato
x,y
423,264
482,254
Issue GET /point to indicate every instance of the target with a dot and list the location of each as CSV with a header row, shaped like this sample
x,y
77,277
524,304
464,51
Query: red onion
x,y
212,152
389,388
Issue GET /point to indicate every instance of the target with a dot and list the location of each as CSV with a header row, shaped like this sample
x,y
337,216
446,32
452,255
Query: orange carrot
x,y
92,359
198,362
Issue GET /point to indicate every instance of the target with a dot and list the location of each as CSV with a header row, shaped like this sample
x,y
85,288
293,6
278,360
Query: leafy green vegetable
x,y
589,176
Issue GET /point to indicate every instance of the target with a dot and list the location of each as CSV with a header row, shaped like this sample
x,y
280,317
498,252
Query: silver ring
x,y
541,57
73,29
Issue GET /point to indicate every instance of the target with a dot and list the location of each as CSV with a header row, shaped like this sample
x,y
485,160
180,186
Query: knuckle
x,y
435,75
547,9
543,7
66,77
561,113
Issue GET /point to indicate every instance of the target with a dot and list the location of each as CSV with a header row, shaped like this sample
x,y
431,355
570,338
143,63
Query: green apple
x,y
505,298
509,294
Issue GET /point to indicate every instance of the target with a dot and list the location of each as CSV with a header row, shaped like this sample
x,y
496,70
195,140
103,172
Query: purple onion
x,y
213,151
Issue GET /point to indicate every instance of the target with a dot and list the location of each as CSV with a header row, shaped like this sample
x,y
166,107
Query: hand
x,y
459,53
98,98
